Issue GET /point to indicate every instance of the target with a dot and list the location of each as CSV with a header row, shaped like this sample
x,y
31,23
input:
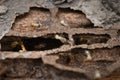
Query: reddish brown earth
x,y
64,57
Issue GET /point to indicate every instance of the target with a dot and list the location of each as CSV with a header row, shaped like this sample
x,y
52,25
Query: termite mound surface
x,y
73,18
41,19
79,57
100,59
34,69
114,75
36,18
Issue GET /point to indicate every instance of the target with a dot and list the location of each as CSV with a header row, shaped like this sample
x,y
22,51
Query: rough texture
x,y
99,14
94,10
59,40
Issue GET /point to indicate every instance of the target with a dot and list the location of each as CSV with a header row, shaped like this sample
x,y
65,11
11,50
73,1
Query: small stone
x,y
36,24
97,74
3,9
89,57
64,23
62,39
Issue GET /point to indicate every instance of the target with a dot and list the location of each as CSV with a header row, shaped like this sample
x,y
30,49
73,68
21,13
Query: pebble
x,y
64,23
36,24
97,74
3,9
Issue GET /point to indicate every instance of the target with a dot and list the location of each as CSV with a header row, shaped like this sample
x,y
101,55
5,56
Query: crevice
x,y
52,35
13,43
118,32
90,38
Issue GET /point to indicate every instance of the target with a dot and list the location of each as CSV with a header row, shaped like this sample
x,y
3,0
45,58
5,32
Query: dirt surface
x,y
54,42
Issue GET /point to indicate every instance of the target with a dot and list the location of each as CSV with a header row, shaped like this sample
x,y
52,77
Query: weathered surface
x,y
64,39
94,10
3,9
99,14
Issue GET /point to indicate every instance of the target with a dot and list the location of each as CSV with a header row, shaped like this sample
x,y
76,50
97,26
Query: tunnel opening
x,y
90,38
14,43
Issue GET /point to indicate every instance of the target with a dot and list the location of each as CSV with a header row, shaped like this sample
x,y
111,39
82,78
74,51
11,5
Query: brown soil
x,y
59,58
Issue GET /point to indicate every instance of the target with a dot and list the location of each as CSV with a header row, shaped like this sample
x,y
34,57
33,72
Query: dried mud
x,y
50,40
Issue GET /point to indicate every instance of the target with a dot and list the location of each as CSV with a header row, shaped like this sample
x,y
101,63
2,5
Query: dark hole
x,y
64,59
118,32
90,38
74,57
12,43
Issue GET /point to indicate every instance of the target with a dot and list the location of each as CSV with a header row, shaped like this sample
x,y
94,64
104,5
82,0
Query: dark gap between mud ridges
x,y
90,38
14,43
